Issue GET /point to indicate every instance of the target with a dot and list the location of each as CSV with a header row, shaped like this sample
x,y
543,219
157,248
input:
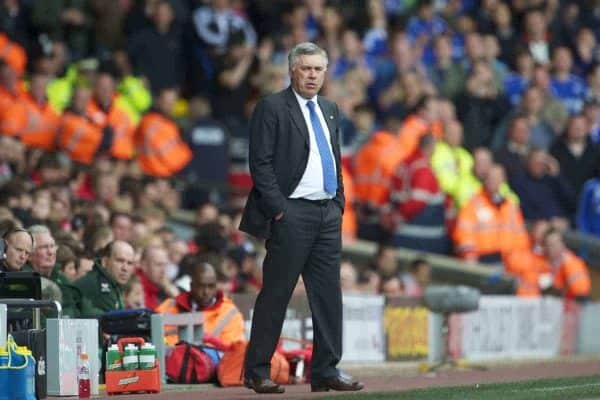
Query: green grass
x,y
580,388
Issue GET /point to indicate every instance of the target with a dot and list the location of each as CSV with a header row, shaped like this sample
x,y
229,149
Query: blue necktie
x,y
329,177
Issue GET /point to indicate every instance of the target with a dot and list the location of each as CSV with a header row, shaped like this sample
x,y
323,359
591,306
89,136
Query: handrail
x,y
31,303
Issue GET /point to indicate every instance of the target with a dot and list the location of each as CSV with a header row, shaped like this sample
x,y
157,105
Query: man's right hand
x,y
279,216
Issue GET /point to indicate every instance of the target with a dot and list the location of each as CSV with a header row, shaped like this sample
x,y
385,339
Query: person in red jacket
x,y
153,276
417,205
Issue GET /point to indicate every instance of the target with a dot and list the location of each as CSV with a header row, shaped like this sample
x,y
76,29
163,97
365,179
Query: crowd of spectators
x,y
462,120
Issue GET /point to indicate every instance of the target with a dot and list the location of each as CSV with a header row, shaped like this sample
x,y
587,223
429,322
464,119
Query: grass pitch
x,y
580,388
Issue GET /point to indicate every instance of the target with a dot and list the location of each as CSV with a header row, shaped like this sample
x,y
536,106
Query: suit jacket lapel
x,y
296,114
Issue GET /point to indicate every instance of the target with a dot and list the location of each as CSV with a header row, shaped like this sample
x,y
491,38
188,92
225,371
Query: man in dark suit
x,y
296,204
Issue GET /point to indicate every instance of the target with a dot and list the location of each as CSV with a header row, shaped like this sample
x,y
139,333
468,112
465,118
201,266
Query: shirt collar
x,y
302,101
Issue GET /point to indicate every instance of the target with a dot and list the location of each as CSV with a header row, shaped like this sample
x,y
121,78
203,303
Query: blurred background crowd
x,y
471,128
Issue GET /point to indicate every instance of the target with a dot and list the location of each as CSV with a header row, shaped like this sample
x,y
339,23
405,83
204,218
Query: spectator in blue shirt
x,y
515,83
568,88
425,25
588,212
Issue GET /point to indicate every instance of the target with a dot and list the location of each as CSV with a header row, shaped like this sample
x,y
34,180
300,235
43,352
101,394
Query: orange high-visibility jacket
x,y
35,124
413,127
483,228
527,265
572,276
349,224
160,150
79,137
123,128
374,165
13,54
8,98
232,331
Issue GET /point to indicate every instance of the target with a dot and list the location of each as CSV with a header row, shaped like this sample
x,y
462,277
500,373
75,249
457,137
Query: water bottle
x,y
130,357
147,356
113,358
5,393
83,376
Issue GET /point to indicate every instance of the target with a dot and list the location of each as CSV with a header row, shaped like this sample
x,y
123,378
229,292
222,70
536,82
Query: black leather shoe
x,y
341,382
263,385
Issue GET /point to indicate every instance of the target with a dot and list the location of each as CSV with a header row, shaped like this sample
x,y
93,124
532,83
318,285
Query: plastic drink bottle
x,y
83,376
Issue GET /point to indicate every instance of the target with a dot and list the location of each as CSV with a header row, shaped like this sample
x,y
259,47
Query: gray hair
x,y
305,49
39,229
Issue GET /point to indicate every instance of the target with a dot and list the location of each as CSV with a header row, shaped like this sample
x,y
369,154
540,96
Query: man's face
x,y
156,265
308,75
553,246
482,162
120,262
387,264
18,249
204,287
105,89
44,254
122,228
493,180
519,132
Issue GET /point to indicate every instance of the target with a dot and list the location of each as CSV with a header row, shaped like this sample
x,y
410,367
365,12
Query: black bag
x,y
127,322
35,340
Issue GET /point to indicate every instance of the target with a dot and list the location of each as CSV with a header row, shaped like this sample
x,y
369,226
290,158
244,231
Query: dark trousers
x,y
307,242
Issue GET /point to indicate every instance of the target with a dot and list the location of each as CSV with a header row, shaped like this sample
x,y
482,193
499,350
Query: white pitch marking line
x,y
558,388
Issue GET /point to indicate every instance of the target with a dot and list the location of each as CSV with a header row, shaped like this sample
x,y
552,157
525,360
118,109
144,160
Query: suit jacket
x,y
279,147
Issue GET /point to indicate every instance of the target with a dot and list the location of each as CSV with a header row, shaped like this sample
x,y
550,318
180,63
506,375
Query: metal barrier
x,y
444,269
36,305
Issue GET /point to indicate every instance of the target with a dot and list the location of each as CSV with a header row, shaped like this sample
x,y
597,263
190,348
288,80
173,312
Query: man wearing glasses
x,y
43,258
43,261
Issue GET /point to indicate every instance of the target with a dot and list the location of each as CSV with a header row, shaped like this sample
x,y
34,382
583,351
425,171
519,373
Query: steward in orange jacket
x,y
489,225
105,112
78,135
423,121
373,166
161,152
570,275
528,265
222,320
31,118
13,54
11,88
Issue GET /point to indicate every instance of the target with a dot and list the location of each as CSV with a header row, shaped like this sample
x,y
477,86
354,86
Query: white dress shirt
x,y
311,184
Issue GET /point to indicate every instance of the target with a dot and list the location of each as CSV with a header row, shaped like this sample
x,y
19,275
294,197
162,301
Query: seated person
x,y
489,224
153,276
18,245
543,191
222,319
102,287
568,275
